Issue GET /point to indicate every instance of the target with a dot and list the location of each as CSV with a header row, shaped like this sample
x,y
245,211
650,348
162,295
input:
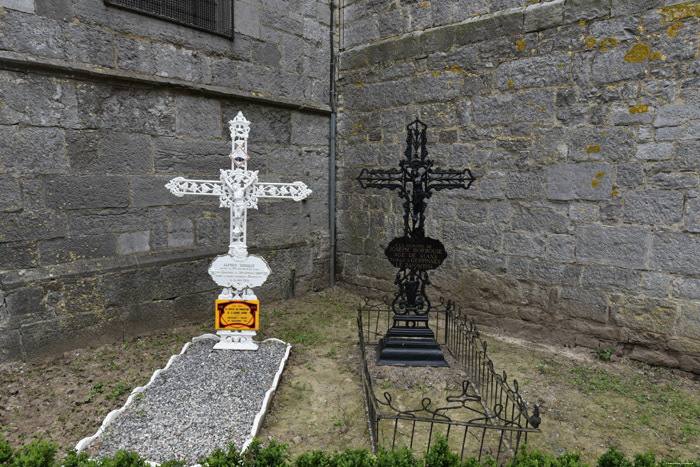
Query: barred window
x,y
215,16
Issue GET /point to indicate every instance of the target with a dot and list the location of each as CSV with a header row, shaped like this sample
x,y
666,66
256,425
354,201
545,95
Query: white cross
x,y
238,188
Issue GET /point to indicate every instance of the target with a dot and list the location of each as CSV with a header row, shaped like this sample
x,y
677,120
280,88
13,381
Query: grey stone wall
x,y
580,119
99,108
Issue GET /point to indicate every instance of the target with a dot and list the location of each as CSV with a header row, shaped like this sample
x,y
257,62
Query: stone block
x,y
26,6
543,16
560,248
686,287
476,259
253,78
581,181
522,244
656,207
185,278
246,19
380,95
428,87
124,108
611,66
688,130
133,242
611,279
656,284
629,7
180,233
81,192
654,151
131,287
33,193
689,320
676,114
539,218
635,115
310,129
18,255
10,346
489,188
181,63
192,157
490,26
606,144
32,225
92,152
224,72
37,100
530,72
101,49
290,85
32,150
472,235
674,181
92,222
582,303
266,54
31,34
210,231
135,55
159,229
10,193
687,155
151,191
583,212
526,106
644,313
66,250
627,247
554,274
198,117
691,218
525,185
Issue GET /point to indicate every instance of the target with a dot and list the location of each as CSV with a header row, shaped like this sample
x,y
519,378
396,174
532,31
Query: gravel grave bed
x,y
205,400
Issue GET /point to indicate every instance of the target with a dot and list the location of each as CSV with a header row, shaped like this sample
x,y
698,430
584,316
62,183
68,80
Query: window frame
x,y
111,3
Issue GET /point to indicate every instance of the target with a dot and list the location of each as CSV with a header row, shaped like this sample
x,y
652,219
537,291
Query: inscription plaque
x,y
239,273
237,315
421,255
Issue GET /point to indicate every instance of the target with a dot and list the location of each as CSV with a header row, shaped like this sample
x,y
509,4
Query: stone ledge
x,y
26,63
12,279
511,21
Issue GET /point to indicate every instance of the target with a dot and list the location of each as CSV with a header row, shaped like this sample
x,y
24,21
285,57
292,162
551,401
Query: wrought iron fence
x,y
488,417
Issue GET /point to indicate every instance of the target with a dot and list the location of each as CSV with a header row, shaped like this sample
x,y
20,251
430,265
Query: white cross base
x,y
236,340
238,189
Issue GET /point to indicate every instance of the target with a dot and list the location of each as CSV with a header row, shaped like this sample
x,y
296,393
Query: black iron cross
x,y
414,254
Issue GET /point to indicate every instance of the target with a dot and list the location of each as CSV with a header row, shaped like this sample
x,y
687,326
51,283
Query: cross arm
x,y
391,179
295,190
448,179
181,186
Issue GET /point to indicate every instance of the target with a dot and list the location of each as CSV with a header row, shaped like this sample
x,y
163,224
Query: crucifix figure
x,y
239,190
410,341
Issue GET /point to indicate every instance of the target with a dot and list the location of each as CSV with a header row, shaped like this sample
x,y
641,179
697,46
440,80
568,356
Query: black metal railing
x,y
488,417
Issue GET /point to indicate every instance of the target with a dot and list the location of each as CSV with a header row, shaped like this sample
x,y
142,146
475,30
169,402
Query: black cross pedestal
x,y
410,341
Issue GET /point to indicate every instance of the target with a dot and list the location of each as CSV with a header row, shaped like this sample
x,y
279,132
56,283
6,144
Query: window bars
x,y
488,416
215,16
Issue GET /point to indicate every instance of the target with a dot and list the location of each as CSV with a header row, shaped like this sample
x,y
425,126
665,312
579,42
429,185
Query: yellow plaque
x,y
237,315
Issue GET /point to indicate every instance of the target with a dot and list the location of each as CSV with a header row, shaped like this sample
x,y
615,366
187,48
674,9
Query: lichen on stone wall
x,y
638,53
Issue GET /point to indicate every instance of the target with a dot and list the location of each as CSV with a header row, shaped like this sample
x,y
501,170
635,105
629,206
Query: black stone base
x,y
410,346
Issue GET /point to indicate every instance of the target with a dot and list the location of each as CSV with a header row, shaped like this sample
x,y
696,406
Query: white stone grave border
x,y
257,421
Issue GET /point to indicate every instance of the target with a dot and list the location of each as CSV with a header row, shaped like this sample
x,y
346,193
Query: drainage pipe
x,y
331,174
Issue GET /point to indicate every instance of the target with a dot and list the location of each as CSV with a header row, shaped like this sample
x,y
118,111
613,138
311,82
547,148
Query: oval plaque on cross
x,y
239,273
421,255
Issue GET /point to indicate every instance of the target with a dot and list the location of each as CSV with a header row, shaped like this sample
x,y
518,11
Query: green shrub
x,y
614,458
42,454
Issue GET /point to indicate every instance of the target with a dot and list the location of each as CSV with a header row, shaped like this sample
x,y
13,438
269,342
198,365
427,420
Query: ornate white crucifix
x,y
238,189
